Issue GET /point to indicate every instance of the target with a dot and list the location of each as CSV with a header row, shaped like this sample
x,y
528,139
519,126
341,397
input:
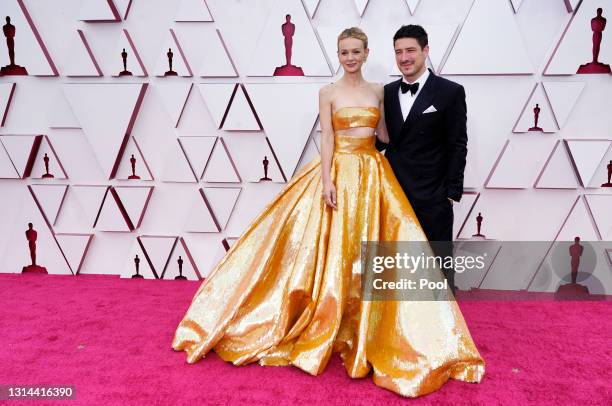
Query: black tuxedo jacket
x,y
427,151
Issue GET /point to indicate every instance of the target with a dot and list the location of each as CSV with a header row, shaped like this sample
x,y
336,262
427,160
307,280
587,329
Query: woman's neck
x,y
353,79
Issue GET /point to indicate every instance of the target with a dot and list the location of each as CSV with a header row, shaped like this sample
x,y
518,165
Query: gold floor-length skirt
x,y
288,292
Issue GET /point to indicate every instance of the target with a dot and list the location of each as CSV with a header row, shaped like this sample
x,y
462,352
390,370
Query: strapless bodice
x,y
351,117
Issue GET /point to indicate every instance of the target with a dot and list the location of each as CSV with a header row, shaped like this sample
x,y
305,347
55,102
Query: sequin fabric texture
x,y
289,291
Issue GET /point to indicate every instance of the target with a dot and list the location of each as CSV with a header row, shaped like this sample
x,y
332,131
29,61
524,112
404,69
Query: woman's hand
x,y
329,195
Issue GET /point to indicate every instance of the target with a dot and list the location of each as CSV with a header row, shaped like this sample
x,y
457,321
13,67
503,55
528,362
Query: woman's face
x,y
351,54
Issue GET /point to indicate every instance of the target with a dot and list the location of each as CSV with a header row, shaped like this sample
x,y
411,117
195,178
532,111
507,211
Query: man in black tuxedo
x,y
426,119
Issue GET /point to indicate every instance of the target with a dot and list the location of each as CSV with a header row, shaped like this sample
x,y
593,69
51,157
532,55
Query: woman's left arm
x,y
381,129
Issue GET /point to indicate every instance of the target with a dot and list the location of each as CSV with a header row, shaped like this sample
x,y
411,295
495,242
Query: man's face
x,y
409,56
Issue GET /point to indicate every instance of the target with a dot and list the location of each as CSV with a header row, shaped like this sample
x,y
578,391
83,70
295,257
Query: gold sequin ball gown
x,y
288,292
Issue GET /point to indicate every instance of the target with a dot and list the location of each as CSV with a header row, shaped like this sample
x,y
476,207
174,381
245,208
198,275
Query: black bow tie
x,y
413,87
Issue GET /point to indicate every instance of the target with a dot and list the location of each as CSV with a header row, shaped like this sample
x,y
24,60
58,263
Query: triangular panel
x,y
306,52
257,170
516,4
311,7
6,96
98,11
74,247
537,109
107,113
289,132
462,210
222,202
177,168
189,267
599,206
412,5
50,199
17,254
81,61
7,169
217,97
220,167
521,162
572,5
180,66
206,250
217,62
158,250
600,177
30,50
586,155
193,11
137,254
60,113
576,46
133,62
558,172
240,116
113,216
198,150
200,217
90,198
174,97
39,167
22,149
135,200
361,6
440,39
133,154
563,97
123,7
503,52
578,224
310,152
248,152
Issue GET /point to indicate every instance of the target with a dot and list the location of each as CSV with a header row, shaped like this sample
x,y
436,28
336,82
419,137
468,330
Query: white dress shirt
x,y
407,99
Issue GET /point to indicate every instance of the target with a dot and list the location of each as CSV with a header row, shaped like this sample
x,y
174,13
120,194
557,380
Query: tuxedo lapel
x,y
395,108
422,102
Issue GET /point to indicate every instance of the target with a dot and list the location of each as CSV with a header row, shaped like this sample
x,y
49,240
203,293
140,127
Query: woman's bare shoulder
x,y
327,90
377,87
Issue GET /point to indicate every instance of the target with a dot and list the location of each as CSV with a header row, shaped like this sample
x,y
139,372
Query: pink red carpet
x,y
110,338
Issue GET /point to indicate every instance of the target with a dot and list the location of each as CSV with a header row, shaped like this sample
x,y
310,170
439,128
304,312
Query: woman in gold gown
x,y
289,291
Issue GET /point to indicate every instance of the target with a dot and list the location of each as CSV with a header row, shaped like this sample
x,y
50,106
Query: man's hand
x,y
451,201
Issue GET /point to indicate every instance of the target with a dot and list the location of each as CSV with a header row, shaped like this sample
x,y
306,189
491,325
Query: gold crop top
x,y
351,117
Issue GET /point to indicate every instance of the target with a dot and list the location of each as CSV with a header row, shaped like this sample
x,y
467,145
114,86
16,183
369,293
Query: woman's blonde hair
x,y
354,32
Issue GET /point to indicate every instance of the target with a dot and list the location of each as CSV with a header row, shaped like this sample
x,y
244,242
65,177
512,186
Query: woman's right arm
x,y
327,146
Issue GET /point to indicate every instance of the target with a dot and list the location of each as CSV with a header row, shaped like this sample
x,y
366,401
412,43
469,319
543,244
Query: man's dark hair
x,y
412,31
